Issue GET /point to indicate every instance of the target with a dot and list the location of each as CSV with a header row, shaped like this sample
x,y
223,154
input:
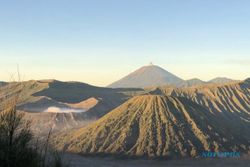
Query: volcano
x,y
148,76
154,126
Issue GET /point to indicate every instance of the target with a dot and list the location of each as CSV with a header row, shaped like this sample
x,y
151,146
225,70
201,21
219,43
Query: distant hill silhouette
x,y
192,82
221,80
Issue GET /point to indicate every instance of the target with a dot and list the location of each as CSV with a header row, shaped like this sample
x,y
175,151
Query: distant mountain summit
x,y
221,80
147,76
192,82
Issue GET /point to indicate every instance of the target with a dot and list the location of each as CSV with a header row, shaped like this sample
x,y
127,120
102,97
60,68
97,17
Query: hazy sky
x,y
99,41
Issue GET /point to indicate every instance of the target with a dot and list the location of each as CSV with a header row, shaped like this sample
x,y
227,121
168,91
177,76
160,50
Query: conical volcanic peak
x,y
147,76
154,126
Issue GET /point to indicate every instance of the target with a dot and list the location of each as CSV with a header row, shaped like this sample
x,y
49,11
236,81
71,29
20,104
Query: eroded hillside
x,y
155,126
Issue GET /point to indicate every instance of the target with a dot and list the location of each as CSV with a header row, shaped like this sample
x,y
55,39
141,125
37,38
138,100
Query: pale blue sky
x,y
100,41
